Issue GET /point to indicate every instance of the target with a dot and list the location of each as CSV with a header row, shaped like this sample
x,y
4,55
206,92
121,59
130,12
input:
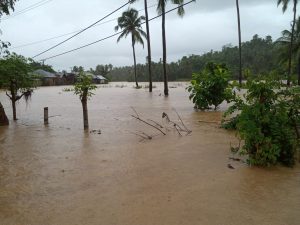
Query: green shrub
x,y
267,122
210,86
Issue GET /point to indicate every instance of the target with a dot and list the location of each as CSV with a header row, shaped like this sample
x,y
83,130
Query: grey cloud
x,y
208,24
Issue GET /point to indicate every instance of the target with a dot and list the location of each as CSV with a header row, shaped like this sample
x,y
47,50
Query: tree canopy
x,y
6,6
16,78
261,56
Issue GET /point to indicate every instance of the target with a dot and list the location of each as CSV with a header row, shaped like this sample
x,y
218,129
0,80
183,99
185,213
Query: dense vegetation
x,y
260,56
267,117
16,78
210,87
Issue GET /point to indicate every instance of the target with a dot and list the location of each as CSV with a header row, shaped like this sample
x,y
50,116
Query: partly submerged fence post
x,y
46,115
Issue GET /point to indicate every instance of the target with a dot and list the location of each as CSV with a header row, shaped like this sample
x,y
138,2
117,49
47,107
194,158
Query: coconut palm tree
x,y
285,4
240,41
130,23
161,9
148,43
285,41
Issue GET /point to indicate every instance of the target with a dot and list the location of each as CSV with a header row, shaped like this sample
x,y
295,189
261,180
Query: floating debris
x,y
95,131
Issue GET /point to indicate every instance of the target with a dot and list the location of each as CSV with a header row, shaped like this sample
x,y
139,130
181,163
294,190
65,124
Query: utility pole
x,y
240,41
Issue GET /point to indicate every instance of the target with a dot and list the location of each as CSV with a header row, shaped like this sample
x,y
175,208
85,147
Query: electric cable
x,y
29,8
66,34
88,27
110,36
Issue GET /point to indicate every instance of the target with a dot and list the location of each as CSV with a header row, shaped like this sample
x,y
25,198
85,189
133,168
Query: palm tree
x,y
285,41
284,4
161,8
148,43
130,23
240,41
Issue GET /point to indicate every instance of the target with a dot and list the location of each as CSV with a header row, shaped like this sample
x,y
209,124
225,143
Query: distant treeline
x,y
260,56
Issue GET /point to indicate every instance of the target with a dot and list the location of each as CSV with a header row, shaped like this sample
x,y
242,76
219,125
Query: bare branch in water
x,y
138,118
187,130
156,123
177,130
165,115
148,136
142,135
135,111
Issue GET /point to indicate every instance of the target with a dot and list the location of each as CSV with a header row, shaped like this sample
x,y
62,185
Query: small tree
x,y
84,88
267,121
16,78
5,7
210,87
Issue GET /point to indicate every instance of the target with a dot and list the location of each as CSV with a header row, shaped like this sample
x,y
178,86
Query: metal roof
x,y
44,73
99,77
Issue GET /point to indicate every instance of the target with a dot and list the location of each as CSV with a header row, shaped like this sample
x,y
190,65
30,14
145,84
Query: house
x,y
60,78
99,79
69,78
47,78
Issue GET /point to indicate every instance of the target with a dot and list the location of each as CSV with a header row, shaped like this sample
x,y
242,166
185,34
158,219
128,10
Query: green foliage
x,y
84,86
103,69
78,69
131,24
210,86
37,65
260,56
15,74
267,122
6,6
230,124
4,48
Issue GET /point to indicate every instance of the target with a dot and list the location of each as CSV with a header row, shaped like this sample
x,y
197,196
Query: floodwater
x,y
60,175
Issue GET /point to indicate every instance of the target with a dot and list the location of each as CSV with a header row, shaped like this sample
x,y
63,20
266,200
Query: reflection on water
x,y
58,174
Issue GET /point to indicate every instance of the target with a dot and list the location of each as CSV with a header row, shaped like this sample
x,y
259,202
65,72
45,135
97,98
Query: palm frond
x,y
284,4
130,23
123,34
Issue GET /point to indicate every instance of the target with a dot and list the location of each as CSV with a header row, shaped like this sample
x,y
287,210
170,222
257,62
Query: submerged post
x,y
46,115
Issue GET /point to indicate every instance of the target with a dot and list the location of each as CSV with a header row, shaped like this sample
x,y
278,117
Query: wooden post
x,y
46,115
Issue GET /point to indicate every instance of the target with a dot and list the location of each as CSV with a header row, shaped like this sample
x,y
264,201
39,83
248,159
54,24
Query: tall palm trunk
x,y
298,69
134,59
85,110
3,118
149,46
240,41
292,44
166,90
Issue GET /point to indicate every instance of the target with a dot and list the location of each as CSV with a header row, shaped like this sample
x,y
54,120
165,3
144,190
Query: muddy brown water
x,y
60,175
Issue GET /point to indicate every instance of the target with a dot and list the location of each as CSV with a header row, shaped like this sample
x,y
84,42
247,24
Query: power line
x,y
29,8
60,43
66,34
92,43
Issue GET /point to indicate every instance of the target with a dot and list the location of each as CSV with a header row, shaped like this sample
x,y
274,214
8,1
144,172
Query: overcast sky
x,y
207,24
